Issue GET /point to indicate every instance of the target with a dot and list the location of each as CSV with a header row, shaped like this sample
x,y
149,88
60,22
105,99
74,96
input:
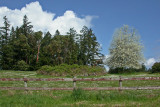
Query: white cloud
x,y
150,62
104,61
106,67
43,20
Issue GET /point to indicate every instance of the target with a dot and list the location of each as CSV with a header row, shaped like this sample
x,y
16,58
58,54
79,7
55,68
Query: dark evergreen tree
x,y
44,55
26,27
6,49
21,48
89,47
72,46
22,44
57,33
5,31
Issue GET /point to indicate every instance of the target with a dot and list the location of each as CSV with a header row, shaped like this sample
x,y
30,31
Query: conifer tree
x,y
5,48
26,27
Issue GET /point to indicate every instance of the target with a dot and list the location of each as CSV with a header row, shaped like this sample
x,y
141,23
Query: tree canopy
x,y
23,45
125,49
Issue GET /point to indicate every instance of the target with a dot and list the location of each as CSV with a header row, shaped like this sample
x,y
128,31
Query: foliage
x,y
156,67
127,70
22,43
122,70
46,69
5,31
143,68
5,48
89,47
71,70
125,49
22,66
150,70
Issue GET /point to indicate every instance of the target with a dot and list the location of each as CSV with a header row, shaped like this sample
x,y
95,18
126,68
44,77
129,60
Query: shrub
x,y
127,70
156,67
71,70
122,70
46,69
22,66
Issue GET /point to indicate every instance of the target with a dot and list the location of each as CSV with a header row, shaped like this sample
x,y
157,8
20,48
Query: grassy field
x,y
16,98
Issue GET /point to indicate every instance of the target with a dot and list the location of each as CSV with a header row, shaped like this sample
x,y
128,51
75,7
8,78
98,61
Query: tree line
x,y
35,49
25,48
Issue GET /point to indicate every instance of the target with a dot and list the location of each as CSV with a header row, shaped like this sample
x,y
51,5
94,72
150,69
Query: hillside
x,y
79,97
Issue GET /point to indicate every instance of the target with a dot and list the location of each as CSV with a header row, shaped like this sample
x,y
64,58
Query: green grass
x,y
86,98
16,98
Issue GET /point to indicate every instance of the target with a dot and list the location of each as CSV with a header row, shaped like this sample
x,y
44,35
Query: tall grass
x,y
79,97
78,94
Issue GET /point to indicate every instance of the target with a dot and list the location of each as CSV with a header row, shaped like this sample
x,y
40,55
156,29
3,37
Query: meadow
x,y
20,98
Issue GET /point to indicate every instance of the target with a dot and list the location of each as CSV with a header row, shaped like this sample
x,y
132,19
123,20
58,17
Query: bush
x,y
22,66
46,69
121,70
156,67
71,70
127,70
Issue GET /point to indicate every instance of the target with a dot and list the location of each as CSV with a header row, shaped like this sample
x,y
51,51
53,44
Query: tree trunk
x,y
38,54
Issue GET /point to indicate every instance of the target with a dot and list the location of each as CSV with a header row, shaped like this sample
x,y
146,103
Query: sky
x,y
103,16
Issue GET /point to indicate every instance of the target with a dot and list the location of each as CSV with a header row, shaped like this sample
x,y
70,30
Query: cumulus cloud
x,y
150,62
104,61
106,67
43,20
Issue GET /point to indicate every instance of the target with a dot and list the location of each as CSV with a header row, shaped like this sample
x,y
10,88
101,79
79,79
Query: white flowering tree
x,y
125,49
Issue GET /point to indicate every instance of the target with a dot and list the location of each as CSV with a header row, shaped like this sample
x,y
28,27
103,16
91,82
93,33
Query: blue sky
x,y
104,16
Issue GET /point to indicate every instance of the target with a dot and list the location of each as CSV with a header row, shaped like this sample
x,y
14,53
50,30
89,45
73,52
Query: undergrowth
x,y
71,70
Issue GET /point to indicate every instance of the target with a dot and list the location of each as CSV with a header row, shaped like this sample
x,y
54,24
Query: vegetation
x,y
125,49
93,98
156,67
22,44
128,70
69,55
78,97
22,66
78,94
71,70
